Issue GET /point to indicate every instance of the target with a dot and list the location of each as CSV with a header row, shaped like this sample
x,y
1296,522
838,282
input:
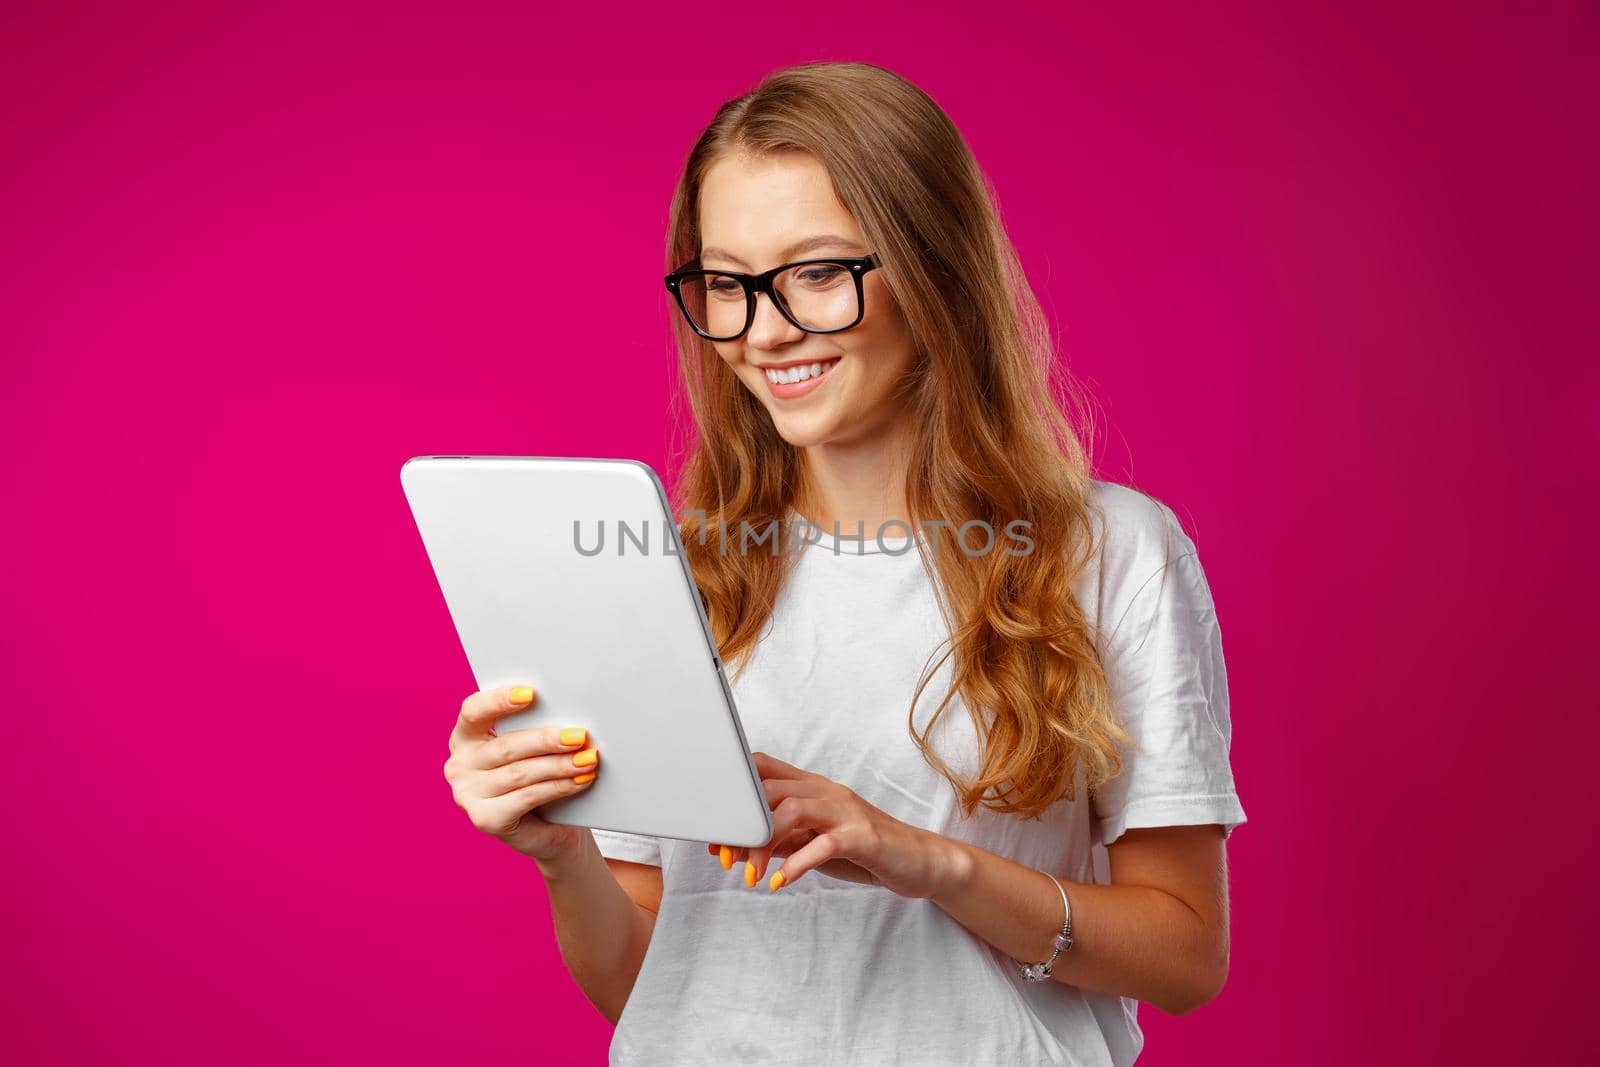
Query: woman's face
x,y
756,214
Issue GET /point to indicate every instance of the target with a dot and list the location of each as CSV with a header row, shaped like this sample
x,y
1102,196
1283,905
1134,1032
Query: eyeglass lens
x,y
820,296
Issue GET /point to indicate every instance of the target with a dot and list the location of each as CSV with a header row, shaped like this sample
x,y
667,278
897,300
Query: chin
x,y
802,436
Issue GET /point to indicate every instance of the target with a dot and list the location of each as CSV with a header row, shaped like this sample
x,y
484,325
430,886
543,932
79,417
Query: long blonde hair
x,y
993,440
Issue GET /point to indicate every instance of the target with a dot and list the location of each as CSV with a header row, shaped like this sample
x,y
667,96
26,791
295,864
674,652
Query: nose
x,y
770,329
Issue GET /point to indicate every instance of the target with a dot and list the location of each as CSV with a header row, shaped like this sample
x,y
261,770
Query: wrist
x,y
566,863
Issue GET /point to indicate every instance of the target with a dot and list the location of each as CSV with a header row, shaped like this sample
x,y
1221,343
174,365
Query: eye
x,y
724,286
820,275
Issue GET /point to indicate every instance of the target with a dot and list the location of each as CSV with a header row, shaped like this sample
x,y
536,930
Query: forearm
x,y
602,933
1127,940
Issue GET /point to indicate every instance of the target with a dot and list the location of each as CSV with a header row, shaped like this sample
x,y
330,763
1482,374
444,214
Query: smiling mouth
x,y
801,373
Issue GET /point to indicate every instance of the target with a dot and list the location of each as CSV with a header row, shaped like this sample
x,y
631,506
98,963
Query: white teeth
x,y
797,374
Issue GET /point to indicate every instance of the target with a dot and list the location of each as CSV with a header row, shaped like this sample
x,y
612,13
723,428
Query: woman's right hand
x,y
499,781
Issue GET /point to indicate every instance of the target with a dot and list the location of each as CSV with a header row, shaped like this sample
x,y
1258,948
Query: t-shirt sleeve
x,y
1163,658
637,848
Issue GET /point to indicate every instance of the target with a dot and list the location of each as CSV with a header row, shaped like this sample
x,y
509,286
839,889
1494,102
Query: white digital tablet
x,y
567,574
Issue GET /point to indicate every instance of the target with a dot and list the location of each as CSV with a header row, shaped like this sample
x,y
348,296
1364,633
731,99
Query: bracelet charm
x,y
1038,972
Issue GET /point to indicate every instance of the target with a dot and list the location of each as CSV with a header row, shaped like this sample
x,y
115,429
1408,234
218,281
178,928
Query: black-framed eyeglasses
x,y
817,295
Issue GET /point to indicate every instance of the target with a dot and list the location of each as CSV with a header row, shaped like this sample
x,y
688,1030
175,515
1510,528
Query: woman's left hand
x,y
824,826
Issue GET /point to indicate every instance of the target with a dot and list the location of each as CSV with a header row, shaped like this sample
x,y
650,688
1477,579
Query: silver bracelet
x,y
1039,972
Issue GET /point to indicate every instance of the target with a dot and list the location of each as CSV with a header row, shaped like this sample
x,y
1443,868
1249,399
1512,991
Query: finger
x,y
773,767
750,868
480,710
759,858
778,790
796,821
783,842
526,772
731,856
755,864
500,815
780,848
516,745
815,853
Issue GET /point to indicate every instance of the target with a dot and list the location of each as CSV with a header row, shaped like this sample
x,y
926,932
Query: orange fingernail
x,y
583,778
586,757
727,858
522,694
576,735
749,873
776,881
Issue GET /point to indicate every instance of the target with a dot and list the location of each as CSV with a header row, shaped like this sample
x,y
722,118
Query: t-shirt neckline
x,y
852,540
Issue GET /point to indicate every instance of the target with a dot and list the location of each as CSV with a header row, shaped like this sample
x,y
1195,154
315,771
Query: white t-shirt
x,y
830,971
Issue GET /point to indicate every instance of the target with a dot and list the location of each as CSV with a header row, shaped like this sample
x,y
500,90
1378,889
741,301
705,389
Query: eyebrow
x,y
807,245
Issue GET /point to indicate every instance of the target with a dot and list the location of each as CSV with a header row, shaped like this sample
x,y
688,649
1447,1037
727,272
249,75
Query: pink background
x,y
1331,277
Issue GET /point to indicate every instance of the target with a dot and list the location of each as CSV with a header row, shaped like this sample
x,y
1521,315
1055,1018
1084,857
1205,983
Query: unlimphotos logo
x,y
975,537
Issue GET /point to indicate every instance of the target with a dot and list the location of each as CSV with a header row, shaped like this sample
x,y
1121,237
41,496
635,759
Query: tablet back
x,y
567,575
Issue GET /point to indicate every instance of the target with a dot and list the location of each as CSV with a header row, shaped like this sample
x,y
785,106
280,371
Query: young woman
x,y
985,689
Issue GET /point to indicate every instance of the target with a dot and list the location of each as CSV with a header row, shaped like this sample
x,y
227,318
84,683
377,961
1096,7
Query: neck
x,y
856,481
